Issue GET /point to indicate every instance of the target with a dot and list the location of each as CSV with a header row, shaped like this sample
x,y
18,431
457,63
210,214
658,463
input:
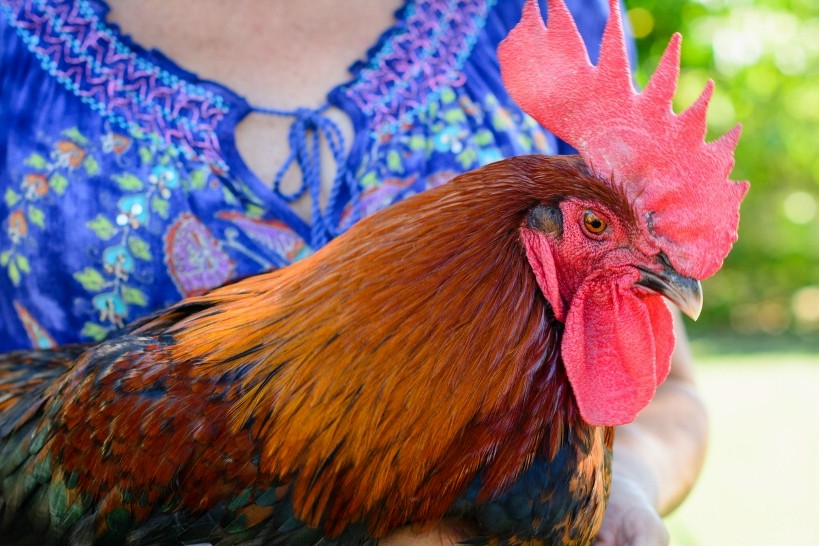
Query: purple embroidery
x,y
275,235
74,46
421,60
195,259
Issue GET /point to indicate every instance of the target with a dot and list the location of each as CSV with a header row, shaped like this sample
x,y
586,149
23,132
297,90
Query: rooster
x,y
462,354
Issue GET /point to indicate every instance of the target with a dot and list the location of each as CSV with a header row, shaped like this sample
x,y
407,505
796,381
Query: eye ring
x,y
593,223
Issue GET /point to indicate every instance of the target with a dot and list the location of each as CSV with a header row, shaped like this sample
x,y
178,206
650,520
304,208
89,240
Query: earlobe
x,y
540,254
548,219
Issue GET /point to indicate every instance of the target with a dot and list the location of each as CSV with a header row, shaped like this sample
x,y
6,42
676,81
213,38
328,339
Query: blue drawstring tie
x,y
304,138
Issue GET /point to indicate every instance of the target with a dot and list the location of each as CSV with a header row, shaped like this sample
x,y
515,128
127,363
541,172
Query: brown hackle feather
x,y
382,373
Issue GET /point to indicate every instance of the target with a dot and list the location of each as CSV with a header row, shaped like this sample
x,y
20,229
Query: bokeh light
x,y
800,207
642,22
805,305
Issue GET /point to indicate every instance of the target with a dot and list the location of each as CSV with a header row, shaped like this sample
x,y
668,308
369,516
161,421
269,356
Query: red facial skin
x,y
618,340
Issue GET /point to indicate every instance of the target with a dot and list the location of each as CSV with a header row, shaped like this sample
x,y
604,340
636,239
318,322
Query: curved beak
x,y
684,292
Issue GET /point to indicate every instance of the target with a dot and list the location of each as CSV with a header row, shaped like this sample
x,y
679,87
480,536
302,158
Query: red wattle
x,y
663,328
616,347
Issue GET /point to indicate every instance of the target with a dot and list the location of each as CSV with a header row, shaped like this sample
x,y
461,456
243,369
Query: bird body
x,y
283,387
462,354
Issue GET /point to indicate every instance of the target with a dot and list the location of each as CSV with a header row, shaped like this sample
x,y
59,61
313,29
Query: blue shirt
x,y
121,189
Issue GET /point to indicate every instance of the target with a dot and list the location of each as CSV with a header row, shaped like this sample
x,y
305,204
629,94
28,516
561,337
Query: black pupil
x,y
595,223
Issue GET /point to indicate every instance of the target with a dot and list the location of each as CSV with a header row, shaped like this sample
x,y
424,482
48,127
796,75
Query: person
x,y
130,182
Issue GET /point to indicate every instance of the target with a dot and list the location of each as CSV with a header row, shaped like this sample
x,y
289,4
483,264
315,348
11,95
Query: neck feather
x,y
422,337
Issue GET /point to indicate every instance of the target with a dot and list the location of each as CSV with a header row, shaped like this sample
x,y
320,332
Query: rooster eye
x,y
594,224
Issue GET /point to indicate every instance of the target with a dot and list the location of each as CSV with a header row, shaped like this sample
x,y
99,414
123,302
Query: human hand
x,y
440,535
630,518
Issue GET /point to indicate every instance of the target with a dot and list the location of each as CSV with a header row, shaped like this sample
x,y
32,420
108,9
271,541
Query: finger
x,y
647,530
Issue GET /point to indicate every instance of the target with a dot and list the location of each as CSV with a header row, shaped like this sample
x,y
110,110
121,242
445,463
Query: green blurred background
x,y
764,58
757,341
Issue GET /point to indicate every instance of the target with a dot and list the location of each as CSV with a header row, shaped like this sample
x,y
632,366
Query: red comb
x,y
677,182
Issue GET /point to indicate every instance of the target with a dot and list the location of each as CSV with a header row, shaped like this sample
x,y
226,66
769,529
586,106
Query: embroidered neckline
x,y
88,58
150,97
417,60
411,63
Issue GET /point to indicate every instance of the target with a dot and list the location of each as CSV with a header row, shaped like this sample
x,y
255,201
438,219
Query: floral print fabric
x,y
121,191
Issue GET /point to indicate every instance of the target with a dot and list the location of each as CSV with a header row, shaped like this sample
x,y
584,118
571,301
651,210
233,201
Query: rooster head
x,y
606,282
605,270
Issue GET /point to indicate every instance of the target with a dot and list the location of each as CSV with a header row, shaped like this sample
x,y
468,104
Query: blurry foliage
x,y
764,58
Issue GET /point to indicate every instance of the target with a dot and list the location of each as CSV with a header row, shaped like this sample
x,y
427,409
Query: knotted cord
x,y
304,139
